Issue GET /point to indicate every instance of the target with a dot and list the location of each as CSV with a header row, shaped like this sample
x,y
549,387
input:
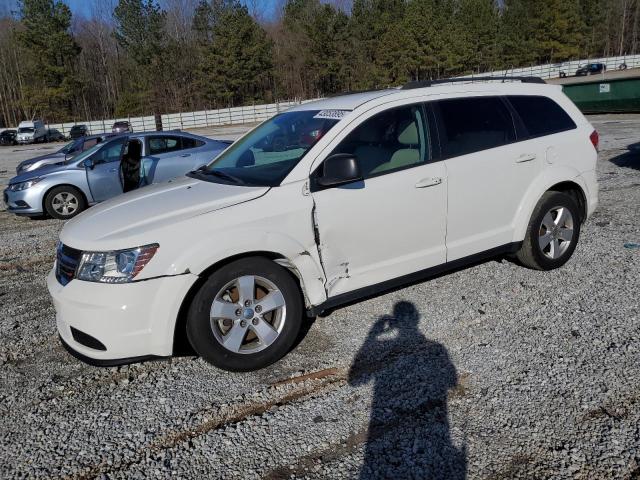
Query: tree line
x,y
140,57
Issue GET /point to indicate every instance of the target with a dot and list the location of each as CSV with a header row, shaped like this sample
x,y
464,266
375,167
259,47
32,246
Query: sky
x,y
85,7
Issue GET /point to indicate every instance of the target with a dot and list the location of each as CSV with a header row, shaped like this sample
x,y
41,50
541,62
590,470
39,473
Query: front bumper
x,y
25,202
130,320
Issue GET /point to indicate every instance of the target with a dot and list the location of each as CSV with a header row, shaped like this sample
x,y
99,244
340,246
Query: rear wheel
x,y
552,234
246,316
64,202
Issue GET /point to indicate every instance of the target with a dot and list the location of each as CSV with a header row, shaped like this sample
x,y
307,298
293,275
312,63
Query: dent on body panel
x,y
336,274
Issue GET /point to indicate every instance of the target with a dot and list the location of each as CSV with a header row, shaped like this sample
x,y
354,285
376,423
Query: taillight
x,y
595,139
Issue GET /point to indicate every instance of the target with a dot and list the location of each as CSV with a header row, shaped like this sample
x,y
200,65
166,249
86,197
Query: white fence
x,y
569,68
258,113
188,120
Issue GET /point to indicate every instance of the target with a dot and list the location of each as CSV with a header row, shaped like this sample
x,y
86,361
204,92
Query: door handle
x,y
526,157
428,182
113,170
186,155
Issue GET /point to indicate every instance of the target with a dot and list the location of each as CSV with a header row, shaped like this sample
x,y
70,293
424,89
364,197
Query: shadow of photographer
x,y
408,434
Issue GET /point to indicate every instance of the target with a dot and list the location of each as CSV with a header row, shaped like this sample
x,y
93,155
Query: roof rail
x,y
429,83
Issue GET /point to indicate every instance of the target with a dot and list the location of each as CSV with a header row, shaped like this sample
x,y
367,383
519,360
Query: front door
x,y
394,222
104,176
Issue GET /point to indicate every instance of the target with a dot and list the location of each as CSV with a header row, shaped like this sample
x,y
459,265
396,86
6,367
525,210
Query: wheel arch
x,y
564,180
48,190
575,191
181,344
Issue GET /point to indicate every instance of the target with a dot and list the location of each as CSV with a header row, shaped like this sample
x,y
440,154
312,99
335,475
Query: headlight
x,y
16,187
119,266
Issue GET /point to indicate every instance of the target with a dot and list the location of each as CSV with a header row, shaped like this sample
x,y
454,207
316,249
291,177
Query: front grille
x,y
67,263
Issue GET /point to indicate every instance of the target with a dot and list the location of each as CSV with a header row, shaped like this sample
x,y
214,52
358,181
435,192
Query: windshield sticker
x,y
331,114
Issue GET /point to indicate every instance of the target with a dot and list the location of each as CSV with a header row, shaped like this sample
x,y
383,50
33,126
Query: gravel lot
x,y
494,371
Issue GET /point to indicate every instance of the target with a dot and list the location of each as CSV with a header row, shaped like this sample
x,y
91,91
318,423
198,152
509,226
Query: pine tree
x,y
516,34
558,30
140,33
236,66
50,53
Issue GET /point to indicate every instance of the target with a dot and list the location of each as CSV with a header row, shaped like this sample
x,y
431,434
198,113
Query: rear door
x,y
104,177
167,158
488,169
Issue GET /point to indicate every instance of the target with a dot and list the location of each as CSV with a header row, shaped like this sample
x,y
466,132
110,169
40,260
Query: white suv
x,y
328,202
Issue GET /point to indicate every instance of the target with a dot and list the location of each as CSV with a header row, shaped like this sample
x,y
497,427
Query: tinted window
x,y
188,142
473,124
541,115
163,144
389,141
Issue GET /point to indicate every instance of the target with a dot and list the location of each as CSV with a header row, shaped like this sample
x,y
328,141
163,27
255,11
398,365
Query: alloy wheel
x,y
556,232
248,314
65,203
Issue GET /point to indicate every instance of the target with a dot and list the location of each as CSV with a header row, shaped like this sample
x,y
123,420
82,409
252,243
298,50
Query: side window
x,y
163,144
389,141
472,124
188,142
110,152
541,115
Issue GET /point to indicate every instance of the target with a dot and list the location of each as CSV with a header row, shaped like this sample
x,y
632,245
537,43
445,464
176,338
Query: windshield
x,y
72,147
267,154
25,130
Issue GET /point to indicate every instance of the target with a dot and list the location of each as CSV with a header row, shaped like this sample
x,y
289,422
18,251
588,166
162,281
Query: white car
x,y
326,203
32,131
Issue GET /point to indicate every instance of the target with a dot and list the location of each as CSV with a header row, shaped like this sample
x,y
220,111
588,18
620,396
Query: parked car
x,y
54,135
399,185
122,127
121,163
8,137
65,154
591,69
78,131
32,131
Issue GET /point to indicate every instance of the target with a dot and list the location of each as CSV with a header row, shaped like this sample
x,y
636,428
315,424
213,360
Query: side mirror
x,y
88,163
339,169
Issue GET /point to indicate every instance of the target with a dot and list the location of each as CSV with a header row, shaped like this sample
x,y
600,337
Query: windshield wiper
x,y
221,174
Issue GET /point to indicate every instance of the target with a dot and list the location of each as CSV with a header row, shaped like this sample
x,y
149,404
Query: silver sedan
x,y
124,163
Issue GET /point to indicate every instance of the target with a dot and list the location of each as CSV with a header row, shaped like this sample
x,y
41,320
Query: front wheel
x,y
64,202
246,316
552,234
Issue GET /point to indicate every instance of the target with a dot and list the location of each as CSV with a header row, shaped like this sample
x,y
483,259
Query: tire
x,y
75,202
561,214
212,337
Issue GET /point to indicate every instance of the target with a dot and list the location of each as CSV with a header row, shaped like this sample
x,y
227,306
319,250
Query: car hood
x,y
134,218
41,171
48,158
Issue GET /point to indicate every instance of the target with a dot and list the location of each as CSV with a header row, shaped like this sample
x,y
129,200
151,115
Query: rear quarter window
x,y
188,142
541,115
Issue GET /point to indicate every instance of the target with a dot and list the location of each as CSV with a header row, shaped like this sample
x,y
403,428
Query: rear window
x,y
472,124
541,115
163,144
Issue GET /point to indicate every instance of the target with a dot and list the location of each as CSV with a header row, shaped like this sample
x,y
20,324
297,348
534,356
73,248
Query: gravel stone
x,y
493,371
